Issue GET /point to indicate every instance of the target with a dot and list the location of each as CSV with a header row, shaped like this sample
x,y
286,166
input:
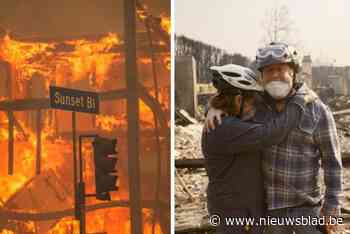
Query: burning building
x,y
81,45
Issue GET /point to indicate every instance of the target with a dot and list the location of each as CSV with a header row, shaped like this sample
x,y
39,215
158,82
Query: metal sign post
x,y
76,101
81,186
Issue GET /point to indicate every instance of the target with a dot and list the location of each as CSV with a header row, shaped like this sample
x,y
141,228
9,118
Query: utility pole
x,y
133,116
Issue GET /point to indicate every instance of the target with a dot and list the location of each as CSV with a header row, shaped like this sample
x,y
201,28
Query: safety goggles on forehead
x,y
276,51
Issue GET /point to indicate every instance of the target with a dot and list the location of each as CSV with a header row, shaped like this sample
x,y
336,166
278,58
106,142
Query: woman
x,y
232,150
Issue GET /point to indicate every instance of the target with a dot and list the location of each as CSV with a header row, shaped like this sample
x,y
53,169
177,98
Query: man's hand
x,y
213,114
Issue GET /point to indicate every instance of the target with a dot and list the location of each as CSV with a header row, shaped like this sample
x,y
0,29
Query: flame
x,y
109,122
62,63
93,58
167,62
141,14
145,60
87,59
66,225
10,184
146,115
105,221
148,222
6,232
165,23
20,54
141,11
25,159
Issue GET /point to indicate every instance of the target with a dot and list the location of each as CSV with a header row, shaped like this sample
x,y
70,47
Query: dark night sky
x,y
49,18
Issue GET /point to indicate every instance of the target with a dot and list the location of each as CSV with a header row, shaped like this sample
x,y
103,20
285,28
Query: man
x,y
291,168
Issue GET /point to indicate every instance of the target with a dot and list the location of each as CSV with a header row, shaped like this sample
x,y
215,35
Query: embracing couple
x,y
265,142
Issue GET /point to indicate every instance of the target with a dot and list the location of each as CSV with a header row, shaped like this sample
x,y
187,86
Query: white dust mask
x,y
278,89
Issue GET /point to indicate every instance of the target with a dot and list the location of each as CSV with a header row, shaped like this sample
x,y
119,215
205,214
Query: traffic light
x,y
105,158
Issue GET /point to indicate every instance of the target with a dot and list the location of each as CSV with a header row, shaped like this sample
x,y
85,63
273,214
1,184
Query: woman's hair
x,y
226,101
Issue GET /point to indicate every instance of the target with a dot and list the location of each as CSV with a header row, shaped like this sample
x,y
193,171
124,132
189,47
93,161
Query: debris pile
x,y
339,103
190,184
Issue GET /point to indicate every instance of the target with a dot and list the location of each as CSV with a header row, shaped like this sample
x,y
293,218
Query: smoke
x,y
50,18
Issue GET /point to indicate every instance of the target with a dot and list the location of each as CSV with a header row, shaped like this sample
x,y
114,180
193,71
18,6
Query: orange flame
x,y
87,58
109,122
165,23
6,232
66,225
167,62
61,63
10,184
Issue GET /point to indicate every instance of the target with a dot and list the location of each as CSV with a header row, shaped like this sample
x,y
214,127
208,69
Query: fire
x,y
25,159
7,232
66,225
147,116
84,58
141,11
95,62
112,221
20,54
145,60
109,122
165,23
10,184
148,222
167,62
142,14
93,58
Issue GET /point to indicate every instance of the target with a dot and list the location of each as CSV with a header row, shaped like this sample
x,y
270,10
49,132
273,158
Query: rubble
x,y
339,103
190,184
340,106
187,141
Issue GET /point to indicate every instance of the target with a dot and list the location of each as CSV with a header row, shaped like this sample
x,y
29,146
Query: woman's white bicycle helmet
x,y
235,75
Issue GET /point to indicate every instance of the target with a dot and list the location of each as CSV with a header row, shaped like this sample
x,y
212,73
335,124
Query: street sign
x,y
74,100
